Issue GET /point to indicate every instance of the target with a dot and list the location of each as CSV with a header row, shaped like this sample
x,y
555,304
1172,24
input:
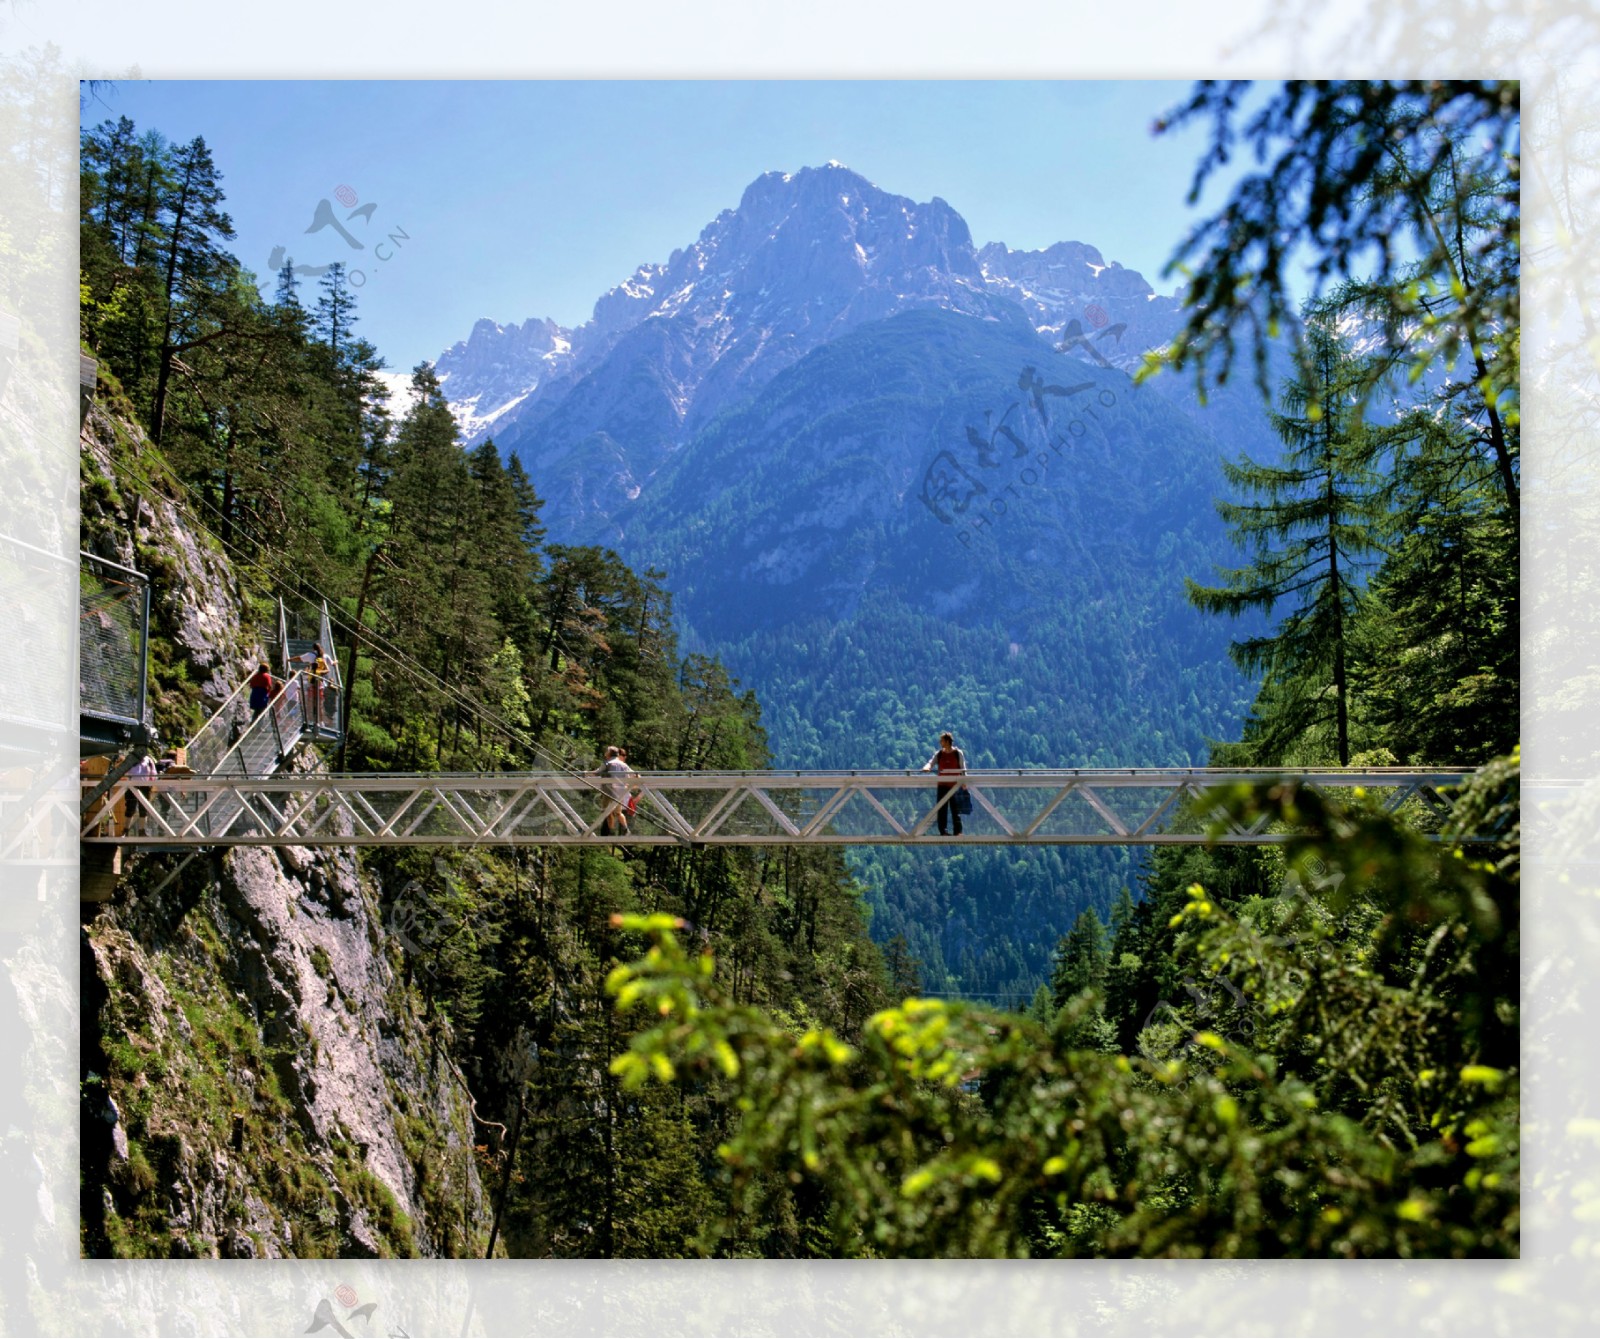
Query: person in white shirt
x,y
142,773
616,769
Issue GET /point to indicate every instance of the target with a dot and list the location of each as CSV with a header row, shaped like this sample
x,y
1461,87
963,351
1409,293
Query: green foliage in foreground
x,y
1363,1103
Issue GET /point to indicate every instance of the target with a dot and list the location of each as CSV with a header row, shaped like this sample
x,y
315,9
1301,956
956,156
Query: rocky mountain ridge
x,y
900,484
497,367
804,258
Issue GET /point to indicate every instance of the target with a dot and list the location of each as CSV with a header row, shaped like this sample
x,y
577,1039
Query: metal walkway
x,y
1098,807
235,744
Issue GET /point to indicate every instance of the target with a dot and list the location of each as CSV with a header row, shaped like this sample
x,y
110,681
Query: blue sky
x,y
515,199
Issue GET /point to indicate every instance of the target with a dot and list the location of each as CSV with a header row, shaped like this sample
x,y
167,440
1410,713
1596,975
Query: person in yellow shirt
x,y
316,674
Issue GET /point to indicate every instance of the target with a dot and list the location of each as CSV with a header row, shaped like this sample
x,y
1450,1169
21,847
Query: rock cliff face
x,y
257,1079
270,1093
195,598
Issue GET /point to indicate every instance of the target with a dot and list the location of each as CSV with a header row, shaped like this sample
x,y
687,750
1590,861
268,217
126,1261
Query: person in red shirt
x,y
263,687
948,761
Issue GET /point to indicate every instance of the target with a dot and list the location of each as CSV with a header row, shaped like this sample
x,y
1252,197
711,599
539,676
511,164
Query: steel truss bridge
x,y
1080,807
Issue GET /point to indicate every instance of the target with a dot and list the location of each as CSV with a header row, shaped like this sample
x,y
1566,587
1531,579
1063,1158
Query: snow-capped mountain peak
x,y
804,257
497,367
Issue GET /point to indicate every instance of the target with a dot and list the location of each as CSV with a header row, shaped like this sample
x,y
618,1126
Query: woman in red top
x,y
948,761
263,688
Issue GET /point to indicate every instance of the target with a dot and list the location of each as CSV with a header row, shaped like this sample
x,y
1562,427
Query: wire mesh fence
x,y
36,680
113,627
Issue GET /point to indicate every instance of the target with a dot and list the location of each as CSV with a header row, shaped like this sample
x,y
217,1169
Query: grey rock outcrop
x,y
194,592
297,1098
258,1080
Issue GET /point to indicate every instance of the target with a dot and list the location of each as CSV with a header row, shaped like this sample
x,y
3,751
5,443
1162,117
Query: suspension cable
x,y
376,642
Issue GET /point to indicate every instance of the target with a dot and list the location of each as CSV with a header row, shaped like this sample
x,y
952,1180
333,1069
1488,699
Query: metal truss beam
x,y
1090,807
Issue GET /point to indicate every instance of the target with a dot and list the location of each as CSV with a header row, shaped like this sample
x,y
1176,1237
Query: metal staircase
x,y
236,743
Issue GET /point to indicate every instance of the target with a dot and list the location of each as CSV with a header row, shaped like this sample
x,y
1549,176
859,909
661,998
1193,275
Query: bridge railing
x,y
1152,806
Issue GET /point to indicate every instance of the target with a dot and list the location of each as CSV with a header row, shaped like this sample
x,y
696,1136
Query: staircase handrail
x,y
334,673
212,719
270,714
215,717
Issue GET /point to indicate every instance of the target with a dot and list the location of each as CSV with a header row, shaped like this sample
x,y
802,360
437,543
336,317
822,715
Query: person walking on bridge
x,y
142,773
948,761
615,788
316,664
632,806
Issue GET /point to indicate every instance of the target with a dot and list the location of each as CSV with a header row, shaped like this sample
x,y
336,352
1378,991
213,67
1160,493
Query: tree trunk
x,y
1340,707
355,651
505,1179
164,368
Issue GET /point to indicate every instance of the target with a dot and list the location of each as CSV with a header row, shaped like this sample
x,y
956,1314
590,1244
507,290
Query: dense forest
x,y
1303,1049
1308,1049
800,549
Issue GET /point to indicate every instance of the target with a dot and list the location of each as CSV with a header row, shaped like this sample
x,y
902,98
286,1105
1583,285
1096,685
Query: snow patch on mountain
x,y
495,370
398,387
804,258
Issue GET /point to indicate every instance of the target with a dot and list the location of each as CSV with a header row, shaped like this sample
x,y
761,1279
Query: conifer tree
x,y
529,507
1122,910
110,177
500,548
1308,523
905,978
286,300
335,312
1367,176
1081,958
1441,655
123,178
194,264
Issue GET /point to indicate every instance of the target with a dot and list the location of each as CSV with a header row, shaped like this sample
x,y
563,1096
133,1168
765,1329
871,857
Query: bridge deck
x,y
1123,806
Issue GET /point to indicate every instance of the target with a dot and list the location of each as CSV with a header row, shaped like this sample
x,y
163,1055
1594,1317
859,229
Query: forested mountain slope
x,y
900,484
938,522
